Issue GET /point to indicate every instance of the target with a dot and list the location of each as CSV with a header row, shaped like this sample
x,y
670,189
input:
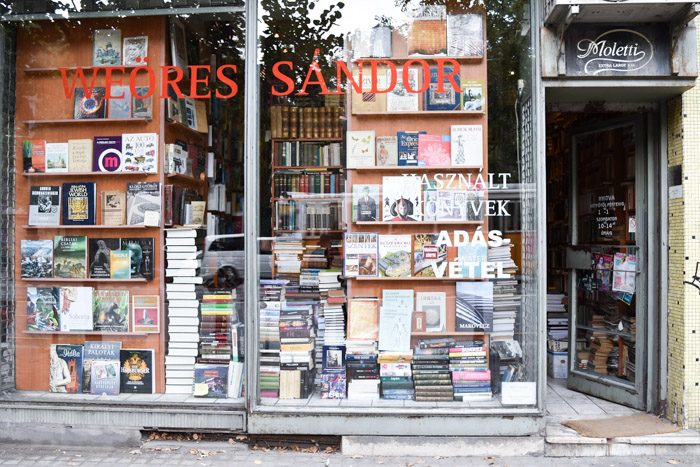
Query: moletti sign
x,y
609,50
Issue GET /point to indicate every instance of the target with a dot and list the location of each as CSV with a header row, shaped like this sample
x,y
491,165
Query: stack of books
x,y
471,377
296,331
183,250
601,347
314,257
362,370
287,253
396,376
557,322
272,296
431,370
216,325
506,297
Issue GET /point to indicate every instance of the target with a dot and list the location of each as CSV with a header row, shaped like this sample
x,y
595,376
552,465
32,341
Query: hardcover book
x,y
387,152
111,310
120,264
107,47
70,257
428,258
119,104
37,258
135,51
142,259
448,97
101,367
365,101
360,255
89,105
408,147
210,380
65,368
333,359
472,96
474,306
360,149
140,152
363,320
465,35
45,205
175,159
78,203
434,150
56,157
403,97
333,385
113,208
107,154
395,255
137,372
42,308
141,198
75,309
402,199
365,202
100,256
467,144
34,155
434,305
142,103
80,155
145,313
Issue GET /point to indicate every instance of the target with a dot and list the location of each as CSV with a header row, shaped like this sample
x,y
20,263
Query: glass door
x,y
607,263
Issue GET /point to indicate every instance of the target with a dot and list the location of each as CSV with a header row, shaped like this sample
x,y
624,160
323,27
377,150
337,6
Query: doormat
x,y
618,427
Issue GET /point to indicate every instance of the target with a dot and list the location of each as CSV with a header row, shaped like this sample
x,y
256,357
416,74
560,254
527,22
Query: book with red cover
x,y
434,150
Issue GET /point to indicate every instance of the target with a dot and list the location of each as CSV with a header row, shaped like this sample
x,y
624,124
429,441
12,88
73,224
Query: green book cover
x,y
70,257
120,264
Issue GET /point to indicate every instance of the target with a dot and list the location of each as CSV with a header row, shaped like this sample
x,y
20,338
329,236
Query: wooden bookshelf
x,y
315,168
64,280
447,333
182,178
89,227
416,168
182,127
408,223
423,113
86,333
413,279
86,174
308,140
84,121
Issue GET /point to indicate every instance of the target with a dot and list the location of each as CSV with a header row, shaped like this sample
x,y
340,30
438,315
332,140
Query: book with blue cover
x,y
447,98
78,203
408,147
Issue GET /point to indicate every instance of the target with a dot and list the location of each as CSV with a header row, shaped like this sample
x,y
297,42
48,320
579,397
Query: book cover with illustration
x,y
36,258
387,151
360,255
75,309
135,51
34,155
448,97
111,310
363,320
210,380
107,47
467,145
78,203
428,258
142,103
366,101
142,259
434,305
137,371
395,255
360,149
365,202
407,144
101,367
44,205
66,368
89,105
472,259
140,152
80,155
465,35
99,256
473,96
42,308
434,150
402,199
107,154
119,104
56,157
120,264
427,34
141,198
70,256
113,208
403,97
474,306
145,313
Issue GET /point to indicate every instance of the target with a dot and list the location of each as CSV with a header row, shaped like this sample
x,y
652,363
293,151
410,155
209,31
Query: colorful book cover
x,y
111,310
140,152
624,262
45,205
70,257
474,306
360,255
135,51
408,147
333,385
434,305
142,103
601,261
210,380
145,313
448,97
360,149
365,101
467,145
100,256
402,199
56,155
65,368
78,203
120,264
107,154
434,150
137,372
107,47
89,105
75,309
113,208
403,97
395,255
365,202
101,367
387,151
141,198
429,259
80,155
42,308
363,320
36,258
472,260
333,359
142,259
473,96
119,103
465,35
34,155
428,31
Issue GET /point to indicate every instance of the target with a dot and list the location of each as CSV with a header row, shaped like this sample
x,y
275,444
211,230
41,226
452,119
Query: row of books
x,y
288,121
463,147
183,206
73,309
187,159
299,153
189,112
75,204
66,257
121,104
128,152
308,215
220,380
309,182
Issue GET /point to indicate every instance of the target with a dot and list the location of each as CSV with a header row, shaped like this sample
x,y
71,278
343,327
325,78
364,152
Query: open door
x,y
607,262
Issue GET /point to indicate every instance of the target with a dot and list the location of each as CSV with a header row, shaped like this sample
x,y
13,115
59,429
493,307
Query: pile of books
x,y
215,328
396,376
287,253
431,370
557,322
332,381
272,295
506,303
471,377
296,331
183,250
362,370
600,349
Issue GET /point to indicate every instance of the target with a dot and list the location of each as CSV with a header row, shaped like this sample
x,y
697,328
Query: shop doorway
x,y
598,304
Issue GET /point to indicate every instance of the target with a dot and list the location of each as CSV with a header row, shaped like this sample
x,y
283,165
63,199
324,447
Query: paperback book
x,y
65,368
36,258
360,149
120,264
137,372
429,258
135,51
402,199
403,97
465,35
80,155
113,208
56,157
363,320
107,47
366,101
70,257
100,256
473,96
142,259
89,105
474,306
360,255
142,103
42,308
140,152
395,255
387,151
45,205
111,310
142,198
101,367
34,155
78,203
408,147
365,202
467,145
395,328
445,97
434,150
75,309
434,306
119,103
107,154
145,313
210,380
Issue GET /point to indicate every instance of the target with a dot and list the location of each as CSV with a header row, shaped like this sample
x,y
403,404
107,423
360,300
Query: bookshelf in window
x,y
90,227
86,333
86,174
82,280
84,121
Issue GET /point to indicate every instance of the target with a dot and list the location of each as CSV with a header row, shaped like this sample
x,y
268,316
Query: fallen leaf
x,y
195,436
134,451
673,461
241,437
258,461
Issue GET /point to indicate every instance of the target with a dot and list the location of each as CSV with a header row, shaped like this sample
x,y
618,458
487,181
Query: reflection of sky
x,y
359,14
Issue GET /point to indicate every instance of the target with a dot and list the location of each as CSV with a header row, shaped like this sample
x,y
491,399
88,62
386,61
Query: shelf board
x,y
415,168
77,281
308,140
312,197
606,331
184,127
73,68
421,57
85,333
88,174
447,333
423,113
321,231
308,167
411,279
383,223
184,178
97,227
71,121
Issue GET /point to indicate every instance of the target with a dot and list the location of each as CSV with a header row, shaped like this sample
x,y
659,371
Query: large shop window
x,y
391,241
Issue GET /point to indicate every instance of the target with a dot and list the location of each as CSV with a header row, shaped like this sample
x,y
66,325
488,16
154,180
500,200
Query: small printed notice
x,y
519,393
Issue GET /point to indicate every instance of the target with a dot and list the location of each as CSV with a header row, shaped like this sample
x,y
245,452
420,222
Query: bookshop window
x,y
390,199
129,163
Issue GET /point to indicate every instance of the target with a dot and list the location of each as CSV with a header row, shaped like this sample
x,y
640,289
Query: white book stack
x,y
182,269
506,295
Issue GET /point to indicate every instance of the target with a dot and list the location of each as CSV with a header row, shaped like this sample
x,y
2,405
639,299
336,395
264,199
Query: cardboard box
x,y
557,364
